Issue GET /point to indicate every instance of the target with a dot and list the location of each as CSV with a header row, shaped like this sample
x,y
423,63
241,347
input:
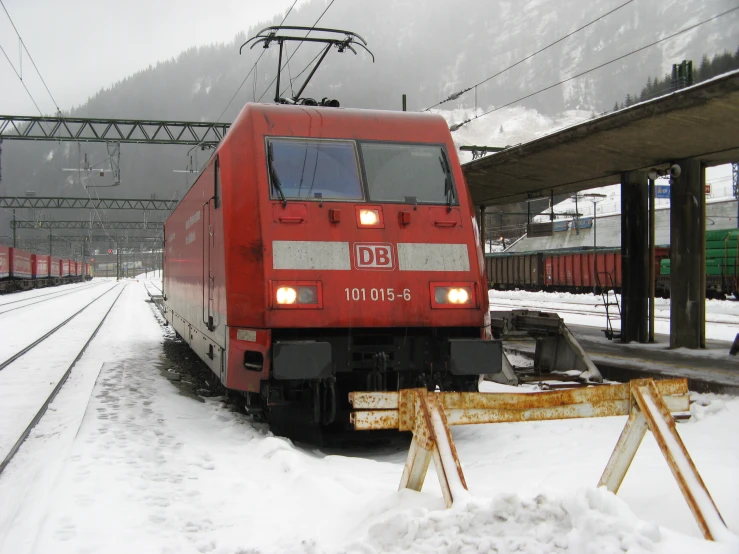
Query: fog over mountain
x,y
427,50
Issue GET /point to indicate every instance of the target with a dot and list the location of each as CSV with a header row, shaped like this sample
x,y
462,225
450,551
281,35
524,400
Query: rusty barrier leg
x,y
432,438
648,405
648,410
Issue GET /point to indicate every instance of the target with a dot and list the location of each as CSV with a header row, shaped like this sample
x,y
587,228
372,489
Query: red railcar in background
x,y
40,266
55,267
4,261
20,264
324,250
566,271
23,270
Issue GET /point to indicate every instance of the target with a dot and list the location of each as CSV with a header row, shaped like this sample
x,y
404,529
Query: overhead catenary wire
x,y
253,68
456,95
636,51
29,57
79,178
21,80
308,65
296,51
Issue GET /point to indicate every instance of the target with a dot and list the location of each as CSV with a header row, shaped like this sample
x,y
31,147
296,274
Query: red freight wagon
x,y
574,270
326,250
40,266
20,264
55,267
77,269
4,262
66,269
570,271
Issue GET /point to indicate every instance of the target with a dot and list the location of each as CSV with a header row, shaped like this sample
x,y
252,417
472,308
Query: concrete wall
x,y
609,230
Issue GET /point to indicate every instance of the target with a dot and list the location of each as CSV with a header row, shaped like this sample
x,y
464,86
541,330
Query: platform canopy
x,y
700,122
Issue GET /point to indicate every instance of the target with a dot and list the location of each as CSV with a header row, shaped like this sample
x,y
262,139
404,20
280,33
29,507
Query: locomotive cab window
x,y
310,169
408,173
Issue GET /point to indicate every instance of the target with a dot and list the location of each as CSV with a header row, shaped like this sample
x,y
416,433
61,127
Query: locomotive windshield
x,y
407,173
313,169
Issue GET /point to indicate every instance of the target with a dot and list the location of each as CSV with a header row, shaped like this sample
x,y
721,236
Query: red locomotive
x,y
325,250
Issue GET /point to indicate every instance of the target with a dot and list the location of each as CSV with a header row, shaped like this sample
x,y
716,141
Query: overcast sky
x,y
108,40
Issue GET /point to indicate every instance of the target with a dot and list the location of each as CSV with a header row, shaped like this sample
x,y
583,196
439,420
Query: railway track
x,y
54,290
542,307
33,300
35,415
157,291
157,287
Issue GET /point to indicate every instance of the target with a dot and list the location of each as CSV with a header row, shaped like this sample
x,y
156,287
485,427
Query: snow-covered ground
x,y
123,462
27,382
722,316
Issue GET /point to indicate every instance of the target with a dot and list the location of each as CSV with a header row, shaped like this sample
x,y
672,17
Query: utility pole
x,y
652,268
735,175
49,243
14,228
595,198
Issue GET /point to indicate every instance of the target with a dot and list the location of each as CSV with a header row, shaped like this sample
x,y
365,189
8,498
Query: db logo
x,y
369,255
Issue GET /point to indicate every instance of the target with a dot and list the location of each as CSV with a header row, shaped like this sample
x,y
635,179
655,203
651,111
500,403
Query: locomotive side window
x,y
408,173
313,169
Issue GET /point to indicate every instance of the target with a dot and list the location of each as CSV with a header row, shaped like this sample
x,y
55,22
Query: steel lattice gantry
x,y
46,202
100,238
95,239
86,225
83,129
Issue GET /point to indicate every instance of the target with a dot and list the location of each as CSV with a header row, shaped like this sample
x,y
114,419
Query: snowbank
x,y
588,521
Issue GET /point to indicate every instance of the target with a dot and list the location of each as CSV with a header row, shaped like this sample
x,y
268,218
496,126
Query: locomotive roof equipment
x,y
268,35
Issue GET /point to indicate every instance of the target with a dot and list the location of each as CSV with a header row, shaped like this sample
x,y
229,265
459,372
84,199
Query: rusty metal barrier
x,y
648,404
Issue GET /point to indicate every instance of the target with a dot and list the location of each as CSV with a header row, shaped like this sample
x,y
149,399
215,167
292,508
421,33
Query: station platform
x,y
708,370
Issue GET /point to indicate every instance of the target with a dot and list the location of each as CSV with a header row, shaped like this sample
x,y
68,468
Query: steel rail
x,y
39,414
539,308
41,339
56,293
24,299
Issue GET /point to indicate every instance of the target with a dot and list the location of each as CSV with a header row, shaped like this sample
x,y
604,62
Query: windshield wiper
x,y
273,174
448,187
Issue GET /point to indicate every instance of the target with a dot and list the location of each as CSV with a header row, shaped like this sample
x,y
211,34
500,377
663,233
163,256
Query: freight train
x,y
572,271
326,250
21,270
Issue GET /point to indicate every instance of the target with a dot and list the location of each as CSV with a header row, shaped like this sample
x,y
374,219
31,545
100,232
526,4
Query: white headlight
x,y
286,295
458,296
369,217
